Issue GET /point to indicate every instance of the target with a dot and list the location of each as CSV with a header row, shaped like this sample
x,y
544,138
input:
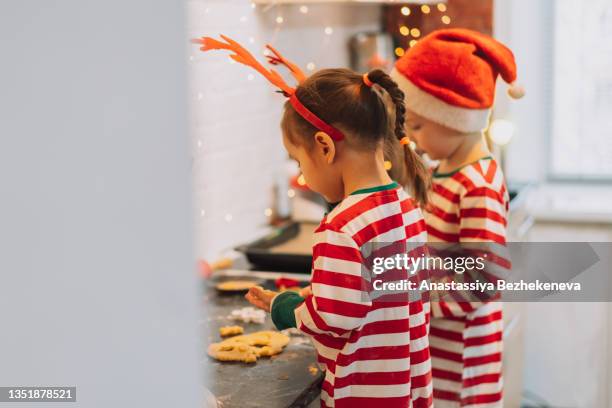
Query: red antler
x,y
241,55
278,59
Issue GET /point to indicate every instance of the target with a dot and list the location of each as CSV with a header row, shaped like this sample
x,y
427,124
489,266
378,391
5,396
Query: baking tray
x,y
262,254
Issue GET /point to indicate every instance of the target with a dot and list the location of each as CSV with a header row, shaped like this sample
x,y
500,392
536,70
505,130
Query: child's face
x,y
438,141
319,166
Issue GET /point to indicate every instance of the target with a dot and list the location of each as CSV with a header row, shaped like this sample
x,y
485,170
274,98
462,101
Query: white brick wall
x,y
237,148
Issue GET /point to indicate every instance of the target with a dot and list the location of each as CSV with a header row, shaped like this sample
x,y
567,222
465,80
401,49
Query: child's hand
x,y
260,297
305,292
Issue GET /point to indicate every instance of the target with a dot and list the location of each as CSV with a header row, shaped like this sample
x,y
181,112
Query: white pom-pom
x,y
516,91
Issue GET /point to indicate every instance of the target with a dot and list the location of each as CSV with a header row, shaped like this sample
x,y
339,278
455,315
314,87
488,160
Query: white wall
x,y
97,282
236,140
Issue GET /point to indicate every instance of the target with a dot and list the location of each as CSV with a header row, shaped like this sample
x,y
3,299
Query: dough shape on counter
x,y
236,285
249,347
230,330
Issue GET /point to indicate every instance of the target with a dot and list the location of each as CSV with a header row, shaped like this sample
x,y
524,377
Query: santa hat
x,y
449,77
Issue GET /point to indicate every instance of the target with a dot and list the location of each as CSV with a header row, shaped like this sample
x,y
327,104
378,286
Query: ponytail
x,y
415,175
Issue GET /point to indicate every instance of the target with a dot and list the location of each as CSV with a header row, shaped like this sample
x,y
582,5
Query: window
x,y
581,141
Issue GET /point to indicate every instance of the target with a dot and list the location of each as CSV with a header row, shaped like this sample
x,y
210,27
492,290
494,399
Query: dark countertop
x,y
279,381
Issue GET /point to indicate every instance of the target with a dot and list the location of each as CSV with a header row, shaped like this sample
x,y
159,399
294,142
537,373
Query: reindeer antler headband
x,y
241,55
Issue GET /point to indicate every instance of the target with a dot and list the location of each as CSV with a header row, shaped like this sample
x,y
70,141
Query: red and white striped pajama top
x,y
469,205
376,354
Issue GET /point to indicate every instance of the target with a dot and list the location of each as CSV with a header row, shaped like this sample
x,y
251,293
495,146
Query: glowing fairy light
x,y
304,9
446,20
405,31
268,212
310,66
388,165
442,7
280,20
501,131
413,43
291,193
301,180
329,30
425,9
415,32
399,51
405,11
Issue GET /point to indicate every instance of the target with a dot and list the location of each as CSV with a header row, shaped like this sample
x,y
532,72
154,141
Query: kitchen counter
x,y
284,380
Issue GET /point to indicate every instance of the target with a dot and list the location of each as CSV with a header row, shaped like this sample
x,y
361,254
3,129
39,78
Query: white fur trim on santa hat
x,y
424,104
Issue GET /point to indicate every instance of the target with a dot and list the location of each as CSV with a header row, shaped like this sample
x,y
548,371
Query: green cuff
x,y
283,308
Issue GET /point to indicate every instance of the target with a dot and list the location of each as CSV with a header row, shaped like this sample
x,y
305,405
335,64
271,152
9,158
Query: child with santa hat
x,y
448,79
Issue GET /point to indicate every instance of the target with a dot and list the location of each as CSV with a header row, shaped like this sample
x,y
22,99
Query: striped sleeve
x,y
482,221
340,299
482,215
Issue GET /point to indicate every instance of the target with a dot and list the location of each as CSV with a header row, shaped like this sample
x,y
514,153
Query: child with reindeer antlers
x,y
335,125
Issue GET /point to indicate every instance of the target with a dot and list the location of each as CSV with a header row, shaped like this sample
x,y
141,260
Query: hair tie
x,y
366,80
404,140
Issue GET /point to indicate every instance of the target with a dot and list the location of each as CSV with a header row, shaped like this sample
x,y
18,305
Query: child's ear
x,y
325,146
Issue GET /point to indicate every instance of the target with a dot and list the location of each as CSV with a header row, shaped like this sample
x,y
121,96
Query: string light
x,y
399,51
328,30
501,131
425,9
442,7
415,32
446,20
406,11
405,31
413,43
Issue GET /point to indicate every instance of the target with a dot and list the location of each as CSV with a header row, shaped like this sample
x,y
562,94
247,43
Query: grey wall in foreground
x,y
97,286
